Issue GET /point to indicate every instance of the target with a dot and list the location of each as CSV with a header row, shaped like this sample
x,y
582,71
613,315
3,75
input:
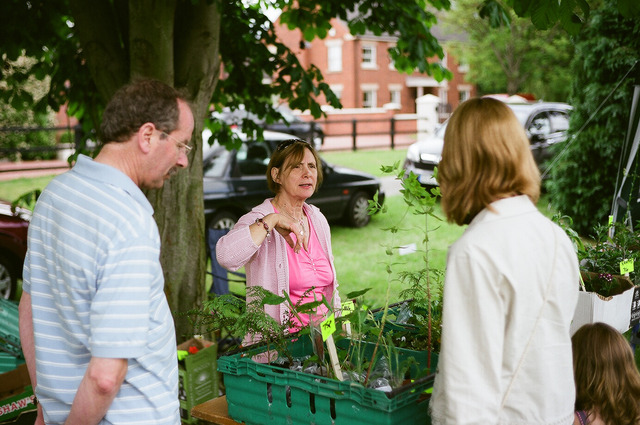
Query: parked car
x,y
292,124
545,124
235,181
13,247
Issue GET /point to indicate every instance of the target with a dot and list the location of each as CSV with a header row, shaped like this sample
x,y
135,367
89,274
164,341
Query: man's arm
x,y
100,384
26,335
25,324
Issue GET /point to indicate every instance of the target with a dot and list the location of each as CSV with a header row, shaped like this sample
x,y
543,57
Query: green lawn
x,y
364,256
368,161
12,189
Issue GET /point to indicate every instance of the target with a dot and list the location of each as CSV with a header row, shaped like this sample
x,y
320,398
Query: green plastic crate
x,y
258,394
9,330
197,376
9,362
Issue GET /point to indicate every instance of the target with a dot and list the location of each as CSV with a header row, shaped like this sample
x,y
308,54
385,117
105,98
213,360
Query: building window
x,y
334,57
392,64
394,95
464,92
444,60
369,98
369,56
337,90
463,67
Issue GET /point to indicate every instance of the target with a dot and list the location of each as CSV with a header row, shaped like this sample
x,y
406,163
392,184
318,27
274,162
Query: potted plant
x,y
608,280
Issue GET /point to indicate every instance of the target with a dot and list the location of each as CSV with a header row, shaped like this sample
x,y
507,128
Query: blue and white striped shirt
x,y
97,289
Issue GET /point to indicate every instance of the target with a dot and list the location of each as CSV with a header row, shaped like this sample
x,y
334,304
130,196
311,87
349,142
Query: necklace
x,y
299,220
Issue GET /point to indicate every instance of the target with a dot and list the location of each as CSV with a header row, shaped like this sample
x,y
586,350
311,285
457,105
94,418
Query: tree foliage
x,y
604,72
514,58
91,48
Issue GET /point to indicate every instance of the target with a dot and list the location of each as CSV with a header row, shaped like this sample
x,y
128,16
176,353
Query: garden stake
x,y
333,356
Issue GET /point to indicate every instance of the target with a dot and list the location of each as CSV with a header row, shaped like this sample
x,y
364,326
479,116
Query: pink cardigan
x,y
266,265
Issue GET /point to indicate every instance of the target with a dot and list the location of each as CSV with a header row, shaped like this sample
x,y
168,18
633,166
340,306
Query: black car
x,y
545,123
235,182
291,123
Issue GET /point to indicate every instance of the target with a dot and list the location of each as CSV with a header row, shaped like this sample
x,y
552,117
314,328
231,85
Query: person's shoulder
x,y
259,210
315,213
312,208
580,417
266,207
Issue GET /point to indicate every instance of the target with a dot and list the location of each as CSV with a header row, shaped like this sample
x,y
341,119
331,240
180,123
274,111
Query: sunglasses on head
x,y
287,143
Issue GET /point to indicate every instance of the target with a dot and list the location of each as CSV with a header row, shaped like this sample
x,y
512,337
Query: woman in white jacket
x,y
511,281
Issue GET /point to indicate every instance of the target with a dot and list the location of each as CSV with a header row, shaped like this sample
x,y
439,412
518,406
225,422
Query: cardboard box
x,y
16,396
198,376
614,310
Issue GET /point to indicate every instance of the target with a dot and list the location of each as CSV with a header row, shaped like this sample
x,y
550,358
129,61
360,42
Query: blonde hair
x,y
486,157
606,375
289,153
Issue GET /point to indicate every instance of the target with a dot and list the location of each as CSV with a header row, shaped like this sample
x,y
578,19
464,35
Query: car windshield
x,y
216,163
522,112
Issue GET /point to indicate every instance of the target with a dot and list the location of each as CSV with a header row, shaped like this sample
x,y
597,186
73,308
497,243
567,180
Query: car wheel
x,y
8,281
357,215
223,220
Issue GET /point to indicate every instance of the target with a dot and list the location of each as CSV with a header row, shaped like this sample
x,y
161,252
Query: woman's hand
x,y
286,226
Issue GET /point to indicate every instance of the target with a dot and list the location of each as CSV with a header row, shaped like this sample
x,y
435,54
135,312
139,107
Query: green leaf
x,y
545,13
309,33
272,299
357,294
629,8
309,307
495,13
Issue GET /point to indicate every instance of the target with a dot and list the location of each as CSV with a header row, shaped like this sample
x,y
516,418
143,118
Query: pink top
x,y
310,277
267,264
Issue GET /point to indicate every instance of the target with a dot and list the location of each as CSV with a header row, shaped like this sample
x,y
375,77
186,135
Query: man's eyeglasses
x,y
184,148
287,143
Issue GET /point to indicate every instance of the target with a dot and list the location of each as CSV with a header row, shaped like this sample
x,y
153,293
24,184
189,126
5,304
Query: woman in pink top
x,y
285,243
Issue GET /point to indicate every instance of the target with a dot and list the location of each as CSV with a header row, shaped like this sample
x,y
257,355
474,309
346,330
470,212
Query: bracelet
x,y
265,225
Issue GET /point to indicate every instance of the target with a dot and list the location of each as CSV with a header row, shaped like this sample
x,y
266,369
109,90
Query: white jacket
x,y
510,292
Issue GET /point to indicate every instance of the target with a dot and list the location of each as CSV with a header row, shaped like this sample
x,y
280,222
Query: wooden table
x,y
214,412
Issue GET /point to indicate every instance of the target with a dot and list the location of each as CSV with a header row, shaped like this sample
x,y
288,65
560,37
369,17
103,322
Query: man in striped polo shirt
x,y
96,329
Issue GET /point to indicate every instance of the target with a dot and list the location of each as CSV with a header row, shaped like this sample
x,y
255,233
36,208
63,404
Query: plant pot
x,y
599,283
614,309
260,393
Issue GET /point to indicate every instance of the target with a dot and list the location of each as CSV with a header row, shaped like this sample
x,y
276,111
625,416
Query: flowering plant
x,y
601,262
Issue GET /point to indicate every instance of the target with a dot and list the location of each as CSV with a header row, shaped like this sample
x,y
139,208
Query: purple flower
x,y
606,276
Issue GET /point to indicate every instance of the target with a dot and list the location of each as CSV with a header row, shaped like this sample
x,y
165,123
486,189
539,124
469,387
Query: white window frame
x,y
334,55
392,64
464,92
395,93
369,60
337,89
372,91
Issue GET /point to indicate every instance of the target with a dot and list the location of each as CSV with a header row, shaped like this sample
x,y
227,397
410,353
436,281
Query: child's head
x,y
606,376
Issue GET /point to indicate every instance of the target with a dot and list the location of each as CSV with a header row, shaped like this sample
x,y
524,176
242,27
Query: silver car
x,y
545,124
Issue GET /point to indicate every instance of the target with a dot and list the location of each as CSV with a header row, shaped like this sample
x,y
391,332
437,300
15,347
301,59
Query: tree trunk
x,y
181,48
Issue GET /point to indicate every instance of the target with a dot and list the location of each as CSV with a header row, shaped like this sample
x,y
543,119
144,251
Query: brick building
x,y
359,70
